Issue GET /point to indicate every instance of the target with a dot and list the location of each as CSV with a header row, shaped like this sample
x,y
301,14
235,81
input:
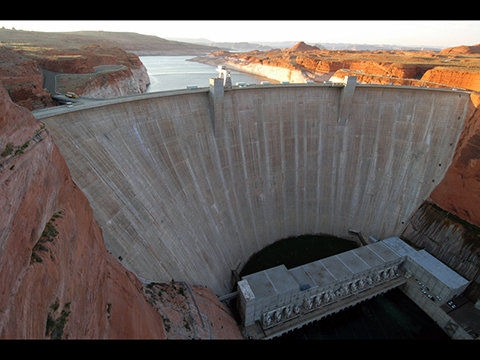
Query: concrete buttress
x,y
216,95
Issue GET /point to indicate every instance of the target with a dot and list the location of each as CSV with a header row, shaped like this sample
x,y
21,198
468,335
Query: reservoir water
x,y
176,72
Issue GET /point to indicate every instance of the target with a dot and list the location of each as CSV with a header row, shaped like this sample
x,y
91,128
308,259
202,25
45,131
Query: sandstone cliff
x,y
299,64
23,79
105,82
457,77
273,69
462,49
301,46
192,312
58,280
459,192
96,71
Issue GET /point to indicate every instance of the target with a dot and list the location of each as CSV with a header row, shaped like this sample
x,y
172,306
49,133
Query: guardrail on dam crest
x,y
184,189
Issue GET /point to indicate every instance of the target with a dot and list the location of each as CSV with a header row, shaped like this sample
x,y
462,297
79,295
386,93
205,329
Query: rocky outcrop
x,y
301,46
192,312
369,68
96,71
58,281
275,70
108,82
82,60
301,63
23,79
455,77
449,239
462,49
459,192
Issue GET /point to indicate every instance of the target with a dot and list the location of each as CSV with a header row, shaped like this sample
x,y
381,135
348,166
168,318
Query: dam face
x,y
179,200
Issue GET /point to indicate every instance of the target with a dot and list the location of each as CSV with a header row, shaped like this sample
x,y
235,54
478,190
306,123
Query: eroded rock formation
x,y
97,71
23,79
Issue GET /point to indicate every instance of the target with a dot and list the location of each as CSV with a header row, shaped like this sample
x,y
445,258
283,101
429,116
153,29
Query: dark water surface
x,y
391,316
296,251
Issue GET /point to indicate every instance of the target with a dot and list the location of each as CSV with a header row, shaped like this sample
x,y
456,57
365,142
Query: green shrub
x,y
8,150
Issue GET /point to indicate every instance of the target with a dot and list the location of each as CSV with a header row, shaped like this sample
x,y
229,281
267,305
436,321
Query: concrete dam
x,y
189,184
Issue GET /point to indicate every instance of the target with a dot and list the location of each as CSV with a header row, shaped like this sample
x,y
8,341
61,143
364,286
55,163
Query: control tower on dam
x,y
188,185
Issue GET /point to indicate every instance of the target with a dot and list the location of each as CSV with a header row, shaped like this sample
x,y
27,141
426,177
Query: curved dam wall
x,y
181,196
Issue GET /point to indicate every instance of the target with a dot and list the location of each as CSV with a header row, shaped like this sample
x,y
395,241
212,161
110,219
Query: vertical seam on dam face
x,y
184,194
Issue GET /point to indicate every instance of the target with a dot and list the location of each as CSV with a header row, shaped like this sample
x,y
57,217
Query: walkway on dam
x,y
83,103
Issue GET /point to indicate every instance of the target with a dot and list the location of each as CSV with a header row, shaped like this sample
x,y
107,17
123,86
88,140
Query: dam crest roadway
x,y
189,184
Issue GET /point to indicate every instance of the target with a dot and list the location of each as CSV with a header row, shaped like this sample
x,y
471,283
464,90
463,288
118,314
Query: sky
x,y
443,33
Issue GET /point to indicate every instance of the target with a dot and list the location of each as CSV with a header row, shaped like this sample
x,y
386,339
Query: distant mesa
x,y
463,49
301,46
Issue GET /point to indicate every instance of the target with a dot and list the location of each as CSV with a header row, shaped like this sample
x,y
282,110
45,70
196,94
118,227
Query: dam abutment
x,y
187,185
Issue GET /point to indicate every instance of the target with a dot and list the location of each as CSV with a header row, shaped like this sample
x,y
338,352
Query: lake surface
x,y
175,73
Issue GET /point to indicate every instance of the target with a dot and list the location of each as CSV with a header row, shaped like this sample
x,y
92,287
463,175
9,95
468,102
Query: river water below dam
x,y
391,316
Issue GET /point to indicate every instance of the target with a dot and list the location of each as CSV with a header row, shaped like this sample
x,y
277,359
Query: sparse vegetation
x,y
168,299
14,150
20,149
8,150
55,325
48,235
